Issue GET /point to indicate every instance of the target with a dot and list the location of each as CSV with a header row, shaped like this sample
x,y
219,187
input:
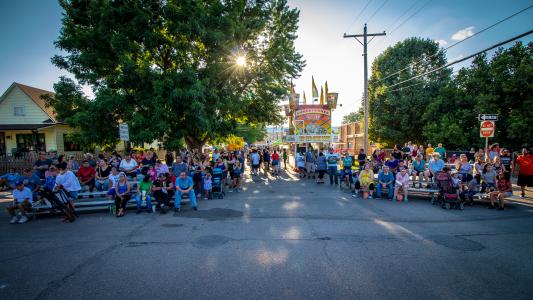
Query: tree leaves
x,y
167,68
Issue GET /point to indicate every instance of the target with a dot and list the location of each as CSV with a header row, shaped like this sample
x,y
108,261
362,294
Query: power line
x,y
405,21
464,58
411,16
379,8
359,15
457,43
402,15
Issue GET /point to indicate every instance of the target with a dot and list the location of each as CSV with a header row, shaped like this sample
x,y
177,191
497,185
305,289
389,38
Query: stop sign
x,y
487,129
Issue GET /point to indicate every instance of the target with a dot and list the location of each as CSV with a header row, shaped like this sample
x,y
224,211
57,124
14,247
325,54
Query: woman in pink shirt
x,y
402,181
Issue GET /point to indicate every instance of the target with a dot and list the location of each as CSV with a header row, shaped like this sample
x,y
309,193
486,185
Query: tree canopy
x,y
444,108
351,117
168,67
396,114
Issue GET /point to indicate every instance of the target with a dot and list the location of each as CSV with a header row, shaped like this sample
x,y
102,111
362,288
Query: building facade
x,y
27,124
351,138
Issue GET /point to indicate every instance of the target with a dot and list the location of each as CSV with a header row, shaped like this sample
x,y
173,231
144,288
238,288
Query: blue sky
x,y
29,28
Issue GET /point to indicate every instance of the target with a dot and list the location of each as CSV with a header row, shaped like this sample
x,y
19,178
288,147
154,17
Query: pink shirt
x,y
404,180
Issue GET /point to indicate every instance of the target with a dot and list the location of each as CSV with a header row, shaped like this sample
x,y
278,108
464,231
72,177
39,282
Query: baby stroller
x,y
218,187
447,197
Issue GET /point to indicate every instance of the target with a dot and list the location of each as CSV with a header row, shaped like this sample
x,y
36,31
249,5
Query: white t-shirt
x,y
124,165
300,161
69,181
114,178
20,196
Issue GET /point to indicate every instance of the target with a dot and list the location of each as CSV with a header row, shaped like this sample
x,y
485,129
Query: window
x,y
69,144
31,142
18,111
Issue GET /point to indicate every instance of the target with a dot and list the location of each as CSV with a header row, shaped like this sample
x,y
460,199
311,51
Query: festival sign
x,y
312,120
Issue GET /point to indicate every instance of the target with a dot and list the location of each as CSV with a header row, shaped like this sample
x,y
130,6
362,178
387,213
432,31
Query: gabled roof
x,y
35,95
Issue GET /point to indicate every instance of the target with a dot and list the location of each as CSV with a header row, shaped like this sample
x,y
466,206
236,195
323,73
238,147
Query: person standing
x,y
169,158
322,167
361,157
254,157
275,162
429,151
440,149
332,159
285,156
524,167
310,160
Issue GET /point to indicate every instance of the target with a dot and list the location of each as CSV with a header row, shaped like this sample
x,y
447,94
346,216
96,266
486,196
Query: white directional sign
x,y
123,132
488,117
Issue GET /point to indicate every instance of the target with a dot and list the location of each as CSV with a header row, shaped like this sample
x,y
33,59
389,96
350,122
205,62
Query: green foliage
x,y
500,86
396,114
445,109
251,133
167,68
351,118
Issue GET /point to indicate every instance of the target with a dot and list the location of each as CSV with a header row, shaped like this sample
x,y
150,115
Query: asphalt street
x,y
282,238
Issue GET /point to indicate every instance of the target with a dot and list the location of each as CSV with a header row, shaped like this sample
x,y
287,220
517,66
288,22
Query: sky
x,y
29,28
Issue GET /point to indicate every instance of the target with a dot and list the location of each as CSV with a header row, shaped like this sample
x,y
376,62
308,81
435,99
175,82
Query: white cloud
x,y
463,33
441,42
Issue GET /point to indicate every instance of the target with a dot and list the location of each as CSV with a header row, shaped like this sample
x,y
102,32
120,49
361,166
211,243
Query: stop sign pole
x,y
486,130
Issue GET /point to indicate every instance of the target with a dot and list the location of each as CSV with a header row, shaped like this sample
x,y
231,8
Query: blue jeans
x,y
390,187
139,201
101,186
192,196
332,171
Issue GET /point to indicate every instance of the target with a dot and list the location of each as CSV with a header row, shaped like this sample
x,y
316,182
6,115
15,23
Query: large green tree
x,y
168,67
501,85
395,112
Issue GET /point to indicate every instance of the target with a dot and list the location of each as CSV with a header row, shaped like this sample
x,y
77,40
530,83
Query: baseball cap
x,y
19,182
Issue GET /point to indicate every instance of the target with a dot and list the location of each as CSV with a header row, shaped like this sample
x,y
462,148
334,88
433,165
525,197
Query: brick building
x,y
351,137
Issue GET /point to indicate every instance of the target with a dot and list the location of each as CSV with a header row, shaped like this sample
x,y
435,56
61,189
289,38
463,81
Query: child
x,y
152,173
473,188
235,176
208,184
143,193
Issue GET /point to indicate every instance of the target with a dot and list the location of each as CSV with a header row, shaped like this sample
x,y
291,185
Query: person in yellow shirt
x,y
365,182
429,150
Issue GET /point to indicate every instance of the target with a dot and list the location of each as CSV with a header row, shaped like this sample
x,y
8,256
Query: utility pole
x,y
365,36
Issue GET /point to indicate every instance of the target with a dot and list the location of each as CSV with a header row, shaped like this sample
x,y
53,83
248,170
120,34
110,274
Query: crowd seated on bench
x,y
140,176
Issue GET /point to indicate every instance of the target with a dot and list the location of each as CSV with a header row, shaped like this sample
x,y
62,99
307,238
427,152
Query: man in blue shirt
x,y
385,181
332,159
8,180
435,165
31,181
184,185
22,200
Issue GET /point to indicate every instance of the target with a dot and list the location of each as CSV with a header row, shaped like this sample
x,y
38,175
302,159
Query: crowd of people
x,y
475,172
153,182
142,175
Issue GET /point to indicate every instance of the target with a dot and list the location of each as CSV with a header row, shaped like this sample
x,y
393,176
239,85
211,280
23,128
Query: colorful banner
x,y
312,120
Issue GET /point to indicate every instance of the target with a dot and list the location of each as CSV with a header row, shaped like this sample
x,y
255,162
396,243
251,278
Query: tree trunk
x,y
194,143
